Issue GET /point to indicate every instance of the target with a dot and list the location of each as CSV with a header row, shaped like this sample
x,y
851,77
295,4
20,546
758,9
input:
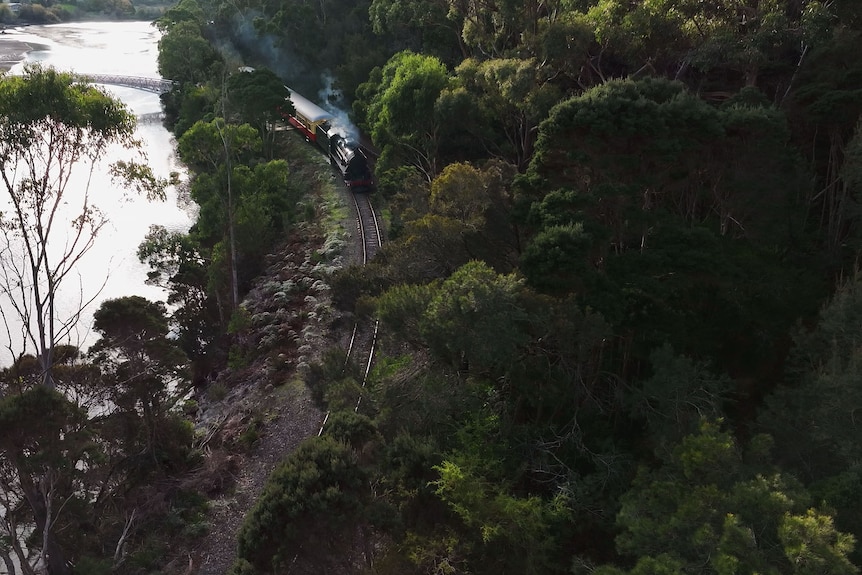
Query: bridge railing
x,y
156,85
151,118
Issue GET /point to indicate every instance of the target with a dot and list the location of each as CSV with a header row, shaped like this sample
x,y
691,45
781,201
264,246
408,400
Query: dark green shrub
x,y
251,434
350,427
317,491
217,391
321,376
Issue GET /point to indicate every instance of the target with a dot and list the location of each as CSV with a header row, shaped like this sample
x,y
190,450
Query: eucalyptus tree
x,y
178,264
826,105
185,55
211,149
500,28
145,368
43,454
813,414
639,183
512,97
461,193
427,25
55,133
749,42
259,97
713,507
399,107
474,318
640,149
266,203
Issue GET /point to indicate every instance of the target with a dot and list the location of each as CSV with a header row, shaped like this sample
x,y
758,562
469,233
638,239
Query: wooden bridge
x,y
155,85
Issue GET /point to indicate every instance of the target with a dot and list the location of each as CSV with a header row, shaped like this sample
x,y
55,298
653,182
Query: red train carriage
x,y
318,126
308,117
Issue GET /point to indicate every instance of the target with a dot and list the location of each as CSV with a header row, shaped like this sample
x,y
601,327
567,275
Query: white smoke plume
x,y
266,52
333,102
295,72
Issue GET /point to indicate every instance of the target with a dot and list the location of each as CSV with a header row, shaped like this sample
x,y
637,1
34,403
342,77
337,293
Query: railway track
x,y
360,350
366,222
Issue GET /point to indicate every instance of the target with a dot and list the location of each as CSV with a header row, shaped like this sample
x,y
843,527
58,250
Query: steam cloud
x,y
333,102
295,72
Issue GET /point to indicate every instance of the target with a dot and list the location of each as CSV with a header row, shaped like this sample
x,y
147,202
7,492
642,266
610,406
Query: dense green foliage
x,y
612,226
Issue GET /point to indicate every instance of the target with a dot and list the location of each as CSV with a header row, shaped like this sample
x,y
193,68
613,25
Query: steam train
x,y
319,126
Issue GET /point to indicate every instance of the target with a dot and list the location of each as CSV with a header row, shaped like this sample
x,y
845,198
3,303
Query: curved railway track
x,y
363,339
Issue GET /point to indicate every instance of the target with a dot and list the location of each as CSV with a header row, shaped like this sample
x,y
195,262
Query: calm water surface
x,y
126,48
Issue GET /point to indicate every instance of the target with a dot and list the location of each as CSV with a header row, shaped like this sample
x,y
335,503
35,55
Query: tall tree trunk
x,y
52,553
230,203
834,201
10,566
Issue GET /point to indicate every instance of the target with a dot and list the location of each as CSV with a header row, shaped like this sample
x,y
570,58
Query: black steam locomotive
x,y
319,126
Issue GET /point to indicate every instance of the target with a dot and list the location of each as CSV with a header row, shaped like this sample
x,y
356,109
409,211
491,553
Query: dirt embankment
x,y
265,404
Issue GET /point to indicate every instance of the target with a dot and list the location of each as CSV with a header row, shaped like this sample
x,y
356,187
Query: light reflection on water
x,y
127,48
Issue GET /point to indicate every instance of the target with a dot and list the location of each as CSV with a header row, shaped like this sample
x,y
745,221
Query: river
x,y
130,49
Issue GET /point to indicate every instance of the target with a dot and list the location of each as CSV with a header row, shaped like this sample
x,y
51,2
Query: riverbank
x,y
12,51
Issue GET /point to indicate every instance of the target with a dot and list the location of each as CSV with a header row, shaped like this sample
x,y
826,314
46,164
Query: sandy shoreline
x,y
11,52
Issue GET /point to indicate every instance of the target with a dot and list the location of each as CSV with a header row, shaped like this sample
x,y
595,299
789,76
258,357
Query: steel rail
x,y
368,232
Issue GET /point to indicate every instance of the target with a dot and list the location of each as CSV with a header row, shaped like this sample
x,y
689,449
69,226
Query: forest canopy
x,y
617,298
